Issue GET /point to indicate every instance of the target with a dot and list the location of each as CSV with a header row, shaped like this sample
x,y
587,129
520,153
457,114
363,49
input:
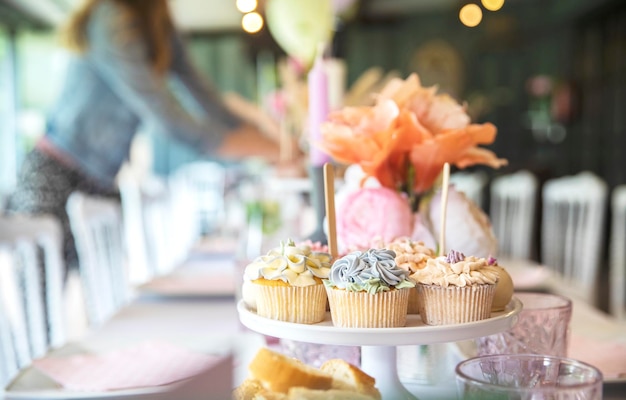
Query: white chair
x,y
512,213
98,231
15,352
149,222
44,233
204,184
139,268
617,254
36,244
471,184
572,229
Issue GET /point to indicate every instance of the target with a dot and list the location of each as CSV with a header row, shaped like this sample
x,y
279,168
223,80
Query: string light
x,y
252,22
246,6
470,15
492,5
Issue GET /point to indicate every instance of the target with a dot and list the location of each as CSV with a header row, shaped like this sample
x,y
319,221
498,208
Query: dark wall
x,y
580,46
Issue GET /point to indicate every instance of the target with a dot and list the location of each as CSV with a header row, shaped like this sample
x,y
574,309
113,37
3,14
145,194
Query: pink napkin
x,y
145,365
609,357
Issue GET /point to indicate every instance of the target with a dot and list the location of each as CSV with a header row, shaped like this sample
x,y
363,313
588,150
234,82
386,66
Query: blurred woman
x,y
124,53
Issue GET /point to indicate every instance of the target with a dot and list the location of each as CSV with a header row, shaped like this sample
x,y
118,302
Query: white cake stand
x,y
378,345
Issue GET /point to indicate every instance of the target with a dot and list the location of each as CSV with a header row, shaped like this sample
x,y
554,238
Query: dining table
x,y
195,307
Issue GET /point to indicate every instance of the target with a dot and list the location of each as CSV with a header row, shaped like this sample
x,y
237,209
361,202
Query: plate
x,y
606,355
200,277
213,285
415,331
526,274
32,384
54,394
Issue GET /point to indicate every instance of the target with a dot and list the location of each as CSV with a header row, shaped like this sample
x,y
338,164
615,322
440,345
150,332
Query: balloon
x,y
300,26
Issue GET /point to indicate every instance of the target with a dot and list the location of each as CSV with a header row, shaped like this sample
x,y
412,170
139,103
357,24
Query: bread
x,y
274,376
279,372
301,393
347,376
253,389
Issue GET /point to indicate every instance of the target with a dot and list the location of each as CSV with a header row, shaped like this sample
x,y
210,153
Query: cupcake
x,y
504,287
456,289
286,284
411,256
368,290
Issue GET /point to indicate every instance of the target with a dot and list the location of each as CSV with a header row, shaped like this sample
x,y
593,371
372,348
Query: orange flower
x,y
408,126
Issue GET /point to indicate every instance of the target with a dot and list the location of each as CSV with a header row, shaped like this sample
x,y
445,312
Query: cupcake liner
x,y
302,305
454,305
414,302
364,310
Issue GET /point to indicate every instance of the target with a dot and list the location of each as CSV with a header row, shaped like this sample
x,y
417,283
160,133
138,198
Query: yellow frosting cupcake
x,y
286,284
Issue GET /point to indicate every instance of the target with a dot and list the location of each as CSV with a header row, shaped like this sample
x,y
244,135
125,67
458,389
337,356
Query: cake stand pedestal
x,y
380,362
378,345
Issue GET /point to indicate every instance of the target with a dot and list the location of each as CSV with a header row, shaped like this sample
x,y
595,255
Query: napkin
x,y
609,357
147,364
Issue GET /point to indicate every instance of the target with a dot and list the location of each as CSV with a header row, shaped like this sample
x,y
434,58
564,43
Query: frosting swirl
x,y
294,264
457,270
372,271
410,255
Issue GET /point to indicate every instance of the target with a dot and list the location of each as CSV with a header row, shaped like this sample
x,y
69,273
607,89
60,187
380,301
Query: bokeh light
x,y
252,22
246,6
492,5
470,15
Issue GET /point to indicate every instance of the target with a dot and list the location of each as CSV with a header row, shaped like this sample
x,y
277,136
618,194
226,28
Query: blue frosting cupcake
x,y
368,290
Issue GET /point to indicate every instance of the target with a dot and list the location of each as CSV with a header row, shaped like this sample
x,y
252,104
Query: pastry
x,y
274,376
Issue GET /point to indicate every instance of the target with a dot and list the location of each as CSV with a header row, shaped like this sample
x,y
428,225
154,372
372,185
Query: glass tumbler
x,y
527,376
542,328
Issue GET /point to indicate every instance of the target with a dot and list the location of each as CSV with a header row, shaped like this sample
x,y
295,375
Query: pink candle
x,y
318,111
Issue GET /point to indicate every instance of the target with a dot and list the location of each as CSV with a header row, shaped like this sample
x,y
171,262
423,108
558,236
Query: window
x,y
7,111
30,75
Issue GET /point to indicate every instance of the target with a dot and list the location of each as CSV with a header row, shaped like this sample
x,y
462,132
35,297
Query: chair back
x,y
15,349
204,185
572,229
98,231
153,247
512,213
617,254
472,184
41,247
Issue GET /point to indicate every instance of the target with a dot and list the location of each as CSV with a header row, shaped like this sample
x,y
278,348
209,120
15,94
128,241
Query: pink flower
x,y
370,215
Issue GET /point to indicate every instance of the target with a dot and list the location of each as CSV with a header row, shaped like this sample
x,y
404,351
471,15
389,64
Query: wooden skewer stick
x,y
444,205
329,196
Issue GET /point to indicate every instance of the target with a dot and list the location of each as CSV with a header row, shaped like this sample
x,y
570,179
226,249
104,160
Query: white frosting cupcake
x,y
411,256
456,289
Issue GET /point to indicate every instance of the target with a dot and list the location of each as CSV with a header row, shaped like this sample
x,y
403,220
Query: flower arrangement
x,y
401,143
